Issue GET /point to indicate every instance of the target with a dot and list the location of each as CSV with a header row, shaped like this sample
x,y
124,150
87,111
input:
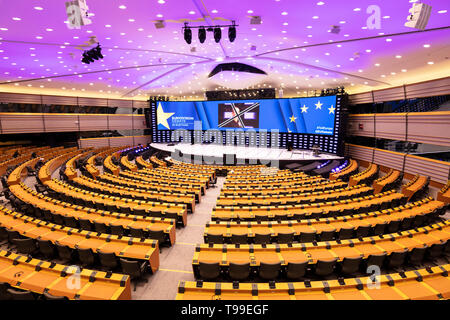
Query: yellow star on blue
x,y
163,116
292,118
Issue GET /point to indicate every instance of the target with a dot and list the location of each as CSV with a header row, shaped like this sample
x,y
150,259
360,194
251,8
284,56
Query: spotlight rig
x,y
92,55
217,32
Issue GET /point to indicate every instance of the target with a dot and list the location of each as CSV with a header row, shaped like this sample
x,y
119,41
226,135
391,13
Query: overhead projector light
x,y
159,24
255,20
335,29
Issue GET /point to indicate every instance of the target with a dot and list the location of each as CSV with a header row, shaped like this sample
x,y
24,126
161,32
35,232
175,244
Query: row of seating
x,y
430,240
345,173
21,275
344,227
148,186
138,177
391,180
429,283
20,225
100,187
68,193
273,185
79,217
177,176
285,190
312,211
416,187
97,159
293,199
365,177
47,170
444,193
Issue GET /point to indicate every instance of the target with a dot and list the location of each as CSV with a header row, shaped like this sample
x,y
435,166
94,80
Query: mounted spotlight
x,y
217,34
201,35
232,32
98,51
187,34
87,57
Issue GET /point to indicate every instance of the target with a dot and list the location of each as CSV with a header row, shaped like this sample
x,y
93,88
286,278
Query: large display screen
x,y
314,115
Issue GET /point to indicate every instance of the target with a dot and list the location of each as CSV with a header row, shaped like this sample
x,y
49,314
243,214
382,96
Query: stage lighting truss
x,y
217,32
92,54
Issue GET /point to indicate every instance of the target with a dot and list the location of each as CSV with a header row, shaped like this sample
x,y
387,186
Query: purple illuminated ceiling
x,y
40,54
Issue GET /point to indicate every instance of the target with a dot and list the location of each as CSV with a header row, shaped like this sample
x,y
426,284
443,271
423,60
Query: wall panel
x,y
93,122
366,120
429,127
21,122
437,170
139,122
120,122
60,122
391,126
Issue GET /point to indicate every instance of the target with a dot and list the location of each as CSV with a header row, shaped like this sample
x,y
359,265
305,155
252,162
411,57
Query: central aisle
x,y
176,261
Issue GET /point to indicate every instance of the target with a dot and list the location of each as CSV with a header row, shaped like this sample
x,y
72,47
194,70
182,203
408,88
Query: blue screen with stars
x,y
315,115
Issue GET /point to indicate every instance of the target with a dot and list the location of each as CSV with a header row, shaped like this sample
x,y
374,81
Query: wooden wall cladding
x,y
60,122
421,127
93,122
429,127
389,159
391,126
139,122
438,171
114,141
66,122
21,123
359,152
424,89
428,88
367,122
121,122
6,97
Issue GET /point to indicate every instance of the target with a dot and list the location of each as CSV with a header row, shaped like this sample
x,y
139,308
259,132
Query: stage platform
x,y
264,154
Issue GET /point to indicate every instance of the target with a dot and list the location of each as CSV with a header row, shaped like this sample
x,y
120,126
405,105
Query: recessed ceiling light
x,y
191,12
38,8
404,70
388,40
284,13
426,45
214,11
4,29
122,7
131,20
386,17
442,11
320,3
159,15
250,11
107,26
16,19
430,62
398,56
315,17
161,1
357,9
377,64
49,29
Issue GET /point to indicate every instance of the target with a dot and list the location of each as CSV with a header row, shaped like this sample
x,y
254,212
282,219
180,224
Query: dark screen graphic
x,y
239,115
